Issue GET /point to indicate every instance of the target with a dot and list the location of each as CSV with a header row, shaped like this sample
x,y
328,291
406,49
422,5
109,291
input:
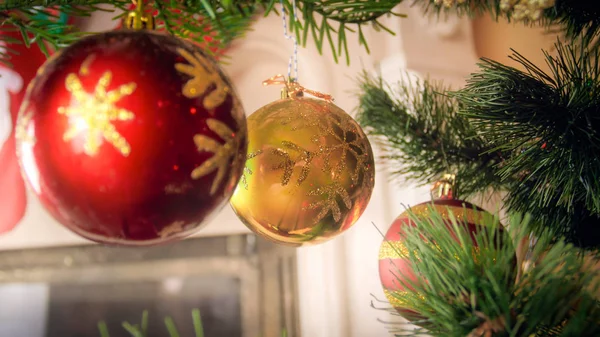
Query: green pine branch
x,y
211,22
217,23
576,224
179,18
424,136
198,21
577,19
39,26
470,287
141,330
549,124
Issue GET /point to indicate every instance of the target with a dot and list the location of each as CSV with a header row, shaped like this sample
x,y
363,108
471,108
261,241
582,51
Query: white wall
x,y
23,300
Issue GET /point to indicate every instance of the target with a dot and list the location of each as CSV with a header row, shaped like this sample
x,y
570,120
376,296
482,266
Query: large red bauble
x,y
13,81
394,264
132,137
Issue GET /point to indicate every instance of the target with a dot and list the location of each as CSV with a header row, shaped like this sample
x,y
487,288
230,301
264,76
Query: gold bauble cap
x,y
138,19
444,188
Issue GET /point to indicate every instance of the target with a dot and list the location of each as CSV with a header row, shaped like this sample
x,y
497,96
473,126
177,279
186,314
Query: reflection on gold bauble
x,y
309,173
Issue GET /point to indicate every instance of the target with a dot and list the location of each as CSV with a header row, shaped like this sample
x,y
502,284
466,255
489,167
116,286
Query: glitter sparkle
x,y
93,114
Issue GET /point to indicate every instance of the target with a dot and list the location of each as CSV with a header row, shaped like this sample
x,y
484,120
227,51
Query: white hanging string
x,y
294,57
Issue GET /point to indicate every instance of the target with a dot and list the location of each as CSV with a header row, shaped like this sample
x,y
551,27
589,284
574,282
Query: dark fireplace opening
x,y
241,286
74,308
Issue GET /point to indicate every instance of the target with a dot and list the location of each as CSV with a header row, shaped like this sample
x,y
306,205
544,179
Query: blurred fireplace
x,y
243,288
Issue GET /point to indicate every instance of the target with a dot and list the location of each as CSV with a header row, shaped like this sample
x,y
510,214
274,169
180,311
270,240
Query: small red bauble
x,y
394,264
132,137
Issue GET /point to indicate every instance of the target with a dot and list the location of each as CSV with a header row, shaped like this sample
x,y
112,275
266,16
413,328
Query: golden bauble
x,y
309,172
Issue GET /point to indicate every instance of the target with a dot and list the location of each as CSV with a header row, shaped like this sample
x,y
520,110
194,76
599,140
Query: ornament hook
x,y
293,89
294,57
138,19
444,188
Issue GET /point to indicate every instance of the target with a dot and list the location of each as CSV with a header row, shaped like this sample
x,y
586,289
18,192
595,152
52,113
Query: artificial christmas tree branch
x,y
328,22
580,18
473,287
424,135
37,31
178,18
532,134
141,330
576,18
214,32
548,124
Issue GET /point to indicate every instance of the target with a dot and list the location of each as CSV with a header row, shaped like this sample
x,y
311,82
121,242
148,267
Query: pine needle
x,y
144,324
171,328
132,329
103,329
197,323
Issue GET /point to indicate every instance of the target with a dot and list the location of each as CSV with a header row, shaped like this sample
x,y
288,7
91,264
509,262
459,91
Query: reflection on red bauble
x,y
394,265
131,137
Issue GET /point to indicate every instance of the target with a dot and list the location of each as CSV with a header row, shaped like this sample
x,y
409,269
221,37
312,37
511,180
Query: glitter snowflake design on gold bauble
x,y
309,174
